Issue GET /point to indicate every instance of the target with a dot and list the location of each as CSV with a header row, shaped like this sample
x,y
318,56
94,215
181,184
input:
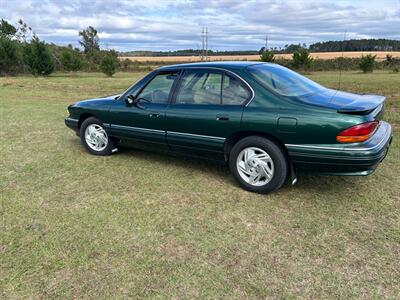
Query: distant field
x,y
323,55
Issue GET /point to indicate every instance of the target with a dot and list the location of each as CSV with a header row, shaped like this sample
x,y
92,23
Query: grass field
x,y
380,55
139,224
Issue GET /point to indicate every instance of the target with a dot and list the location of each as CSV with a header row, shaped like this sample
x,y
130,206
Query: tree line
x,y
22,51
301,60
356,45
329,46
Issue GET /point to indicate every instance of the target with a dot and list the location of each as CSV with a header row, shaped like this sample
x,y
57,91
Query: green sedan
x,y
266,121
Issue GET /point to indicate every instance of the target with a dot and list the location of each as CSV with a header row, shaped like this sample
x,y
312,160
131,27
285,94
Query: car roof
x,y
230,65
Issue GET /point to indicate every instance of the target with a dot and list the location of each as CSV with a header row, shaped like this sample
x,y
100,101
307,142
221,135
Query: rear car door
x,y
206,108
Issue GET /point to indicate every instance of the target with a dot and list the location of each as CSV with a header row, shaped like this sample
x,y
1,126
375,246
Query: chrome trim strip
x,y
332,148
196,135
167,132
138,128
71,119
312,147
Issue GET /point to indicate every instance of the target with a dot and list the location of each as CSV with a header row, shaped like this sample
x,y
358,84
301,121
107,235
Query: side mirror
x,y
130,100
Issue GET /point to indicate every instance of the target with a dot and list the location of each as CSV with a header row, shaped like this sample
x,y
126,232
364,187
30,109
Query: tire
x,y
258,164
102,144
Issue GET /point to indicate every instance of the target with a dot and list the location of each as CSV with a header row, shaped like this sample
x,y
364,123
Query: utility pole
x,y
206,43
266,43
202,43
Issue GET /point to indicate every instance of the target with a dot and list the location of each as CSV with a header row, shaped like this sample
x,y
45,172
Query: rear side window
x,y
234,91
200,87
211,87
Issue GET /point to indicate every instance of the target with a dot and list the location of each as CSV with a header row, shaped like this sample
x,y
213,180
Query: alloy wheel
x,y
96,137
255,166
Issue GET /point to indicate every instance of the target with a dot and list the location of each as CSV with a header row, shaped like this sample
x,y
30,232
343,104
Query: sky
x,y
126,25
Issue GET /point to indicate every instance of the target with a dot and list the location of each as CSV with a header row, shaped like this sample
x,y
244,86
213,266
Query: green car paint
x,y
305,126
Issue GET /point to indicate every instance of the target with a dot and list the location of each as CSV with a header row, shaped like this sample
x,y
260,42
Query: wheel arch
x,y
83,117
236,137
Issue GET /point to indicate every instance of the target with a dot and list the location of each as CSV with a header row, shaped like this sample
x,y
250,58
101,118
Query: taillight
x,y
357,133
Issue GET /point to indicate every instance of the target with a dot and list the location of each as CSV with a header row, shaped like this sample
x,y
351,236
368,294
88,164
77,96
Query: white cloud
x,y
233,24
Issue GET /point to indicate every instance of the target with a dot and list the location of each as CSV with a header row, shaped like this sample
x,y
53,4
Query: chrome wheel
x,y
255,166
96,137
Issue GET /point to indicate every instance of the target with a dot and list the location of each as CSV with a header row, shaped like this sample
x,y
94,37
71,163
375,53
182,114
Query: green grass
x,y
139,224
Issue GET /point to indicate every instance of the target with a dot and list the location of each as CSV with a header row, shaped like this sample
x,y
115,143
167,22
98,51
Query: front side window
x,y
211,87
157,91
284,81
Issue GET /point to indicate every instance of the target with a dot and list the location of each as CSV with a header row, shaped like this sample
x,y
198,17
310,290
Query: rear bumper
x,y
72,123
343,159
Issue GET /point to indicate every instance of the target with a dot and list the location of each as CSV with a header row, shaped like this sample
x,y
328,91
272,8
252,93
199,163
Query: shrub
x,y
109,64
93,60
71,59
301,59
126,63
393,63
37,58
367,63
267,56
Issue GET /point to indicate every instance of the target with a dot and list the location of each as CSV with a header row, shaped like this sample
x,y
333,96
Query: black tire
x,y
280,163
86,123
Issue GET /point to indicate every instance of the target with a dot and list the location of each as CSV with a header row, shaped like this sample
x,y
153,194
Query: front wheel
x,y
258,164
95,138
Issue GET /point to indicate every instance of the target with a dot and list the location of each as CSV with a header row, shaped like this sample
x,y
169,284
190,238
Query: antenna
x,y
341,60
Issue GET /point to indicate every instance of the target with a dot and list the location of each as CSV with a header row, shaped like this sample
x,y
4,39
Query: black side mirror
x,y
130,100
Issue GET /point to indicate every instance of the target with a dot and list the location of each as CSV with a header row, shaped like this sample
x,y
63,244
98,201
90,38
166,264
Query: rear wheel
x,y
95,138
258,164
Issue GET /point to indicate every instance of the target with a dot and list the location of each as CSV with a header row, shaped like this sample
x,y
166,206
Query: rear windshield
x,y
284,81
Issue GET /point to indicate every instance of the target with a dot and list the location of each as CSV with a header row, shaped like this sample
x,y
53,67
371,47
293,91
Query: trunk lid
x,y
345,102
349,102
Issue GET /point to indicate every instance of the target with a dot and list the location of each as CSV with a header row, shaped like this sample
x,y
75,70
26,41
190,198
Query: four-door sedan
x,y
265,120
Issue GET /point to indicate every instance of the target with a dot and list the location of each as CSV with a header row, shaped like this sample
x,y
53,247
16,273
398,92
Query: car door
x,y
143,123
206,108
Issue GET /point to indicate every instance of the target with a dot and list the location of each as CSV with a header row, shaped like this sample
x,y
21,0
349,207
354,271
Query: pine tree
x,y
37,58
109,64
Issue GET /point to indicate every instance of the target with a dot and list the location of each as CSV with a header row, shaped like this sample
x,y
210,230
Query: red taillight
x,y
357,133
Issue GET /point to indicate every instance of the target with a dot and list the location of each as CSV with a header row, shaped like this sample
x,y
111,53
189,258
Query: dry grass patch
x,y
380,55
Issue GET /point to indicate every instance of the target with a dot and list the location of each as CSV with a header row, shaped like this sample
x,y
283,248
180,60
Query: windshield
x,y
284,81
